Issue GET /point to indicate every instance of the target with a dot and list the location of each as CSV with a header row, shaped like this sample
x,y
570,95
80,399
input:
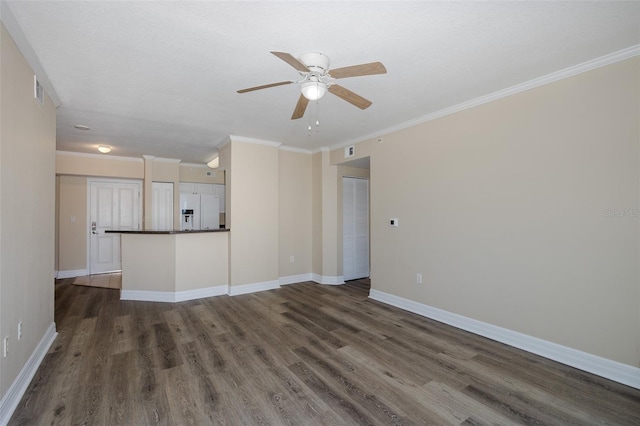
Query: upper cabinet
x,y
204,188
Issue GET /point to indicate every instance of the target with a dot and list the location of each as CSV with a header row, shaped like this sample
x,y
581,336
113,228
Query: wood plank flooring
x,y
305,354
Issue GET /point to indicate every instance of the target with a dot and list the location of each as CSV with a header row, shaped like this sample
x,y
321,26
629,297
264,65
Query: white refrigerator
x,y
206,212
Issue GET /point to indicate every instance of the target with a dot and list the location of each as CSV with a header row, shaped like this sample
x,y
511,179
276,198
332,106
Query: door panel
x,y
113,205
105,249
162,202
355,228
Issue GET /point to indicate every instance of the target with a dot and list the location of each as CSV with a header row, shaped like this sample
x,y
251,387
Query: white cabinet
x,y
187,188
205,189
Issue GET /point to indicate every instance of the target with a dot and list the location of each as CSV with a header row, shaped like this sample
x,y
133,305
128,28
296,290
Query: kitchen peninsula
x,y
173,266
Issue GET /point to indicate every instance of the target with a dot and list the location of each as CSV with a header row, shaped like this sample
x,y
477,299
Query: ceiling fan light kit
x,y
318,79
313,90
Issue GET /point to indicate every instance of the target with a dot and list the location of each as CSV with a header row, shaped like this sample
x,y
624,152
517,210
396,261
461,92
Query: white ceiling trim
x,y
200,166
11,24
602,61
236,138
294,149
166,160
101,156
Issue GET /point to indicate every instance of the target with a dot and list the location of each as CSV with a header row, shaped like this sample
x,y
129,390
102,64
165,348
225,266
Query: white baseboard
x,y
253,288
171,296
613,370
328,280
73,273
293,279
14,394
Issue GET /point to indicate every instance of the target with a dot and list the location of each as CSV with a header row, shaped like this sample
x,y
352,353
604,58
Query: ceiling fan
x,y
317,79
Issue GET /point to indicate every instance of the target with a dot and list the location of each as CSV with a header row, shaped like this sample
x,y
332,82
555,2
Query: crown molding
x,y
166,160
571,71
236,138
294,149
223,142
200,166
99,156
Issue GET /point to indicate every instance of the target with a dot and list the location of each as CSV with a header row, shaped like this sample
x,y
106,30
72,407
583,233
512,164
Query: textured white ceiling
x,y
160,78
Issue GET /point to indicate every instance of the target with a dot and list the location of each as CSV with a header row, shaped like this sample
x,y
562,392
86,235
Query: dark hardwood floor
x,y
305,354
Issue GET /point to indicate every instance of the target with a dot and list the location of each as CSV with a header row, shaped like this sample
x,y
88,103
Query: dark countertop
x,y
167,232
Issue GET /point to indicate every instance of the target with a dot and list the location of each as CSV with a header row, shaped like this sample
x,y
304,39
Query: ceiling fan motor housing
x,y
316,62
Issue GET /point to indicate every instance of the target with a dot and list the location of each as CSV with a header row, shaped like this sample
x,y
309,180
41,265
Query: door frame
x,y
90,180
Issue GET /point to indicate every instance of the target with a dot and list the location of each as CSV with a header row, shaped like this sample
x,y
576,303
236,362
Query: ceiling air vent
x,y
38,90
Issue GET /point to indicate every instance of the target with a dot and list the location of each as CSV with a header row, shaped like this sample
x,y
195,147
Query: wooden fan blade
x,y
292,61
266,86
358,70
301,107
349,96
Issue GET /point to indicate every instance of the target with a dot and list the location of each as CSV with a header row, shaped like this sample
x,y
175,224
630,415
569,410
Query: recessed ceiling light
x,y
81,127
104,149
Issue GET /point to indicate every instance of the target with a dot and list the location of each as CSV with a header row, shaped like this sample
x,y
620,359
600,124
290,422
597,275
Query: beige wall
x,y
99,165
253,211
198,174
27,210
72,223
168,171
316,213
174,263
202,260
329,218
325,219
504,210
294,213
148,262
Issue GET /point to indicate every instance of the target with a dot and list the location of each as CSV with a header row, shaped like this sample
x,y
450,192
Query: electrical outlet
x,y
5,350
20,330
419,278
292,259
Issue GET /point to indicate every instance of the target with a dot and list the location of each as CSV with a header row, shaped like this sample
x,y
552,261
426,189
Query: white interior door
x,y
162,204
355,228
113,206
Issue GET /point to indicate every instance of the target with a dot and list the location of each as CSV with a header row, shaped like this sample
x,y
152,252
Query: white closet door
x,y
162,202
355,228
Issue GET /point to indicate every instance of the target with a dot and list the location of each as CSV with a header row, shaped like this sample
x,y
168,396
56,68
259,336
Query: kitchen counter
x,y
172,266
169,232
